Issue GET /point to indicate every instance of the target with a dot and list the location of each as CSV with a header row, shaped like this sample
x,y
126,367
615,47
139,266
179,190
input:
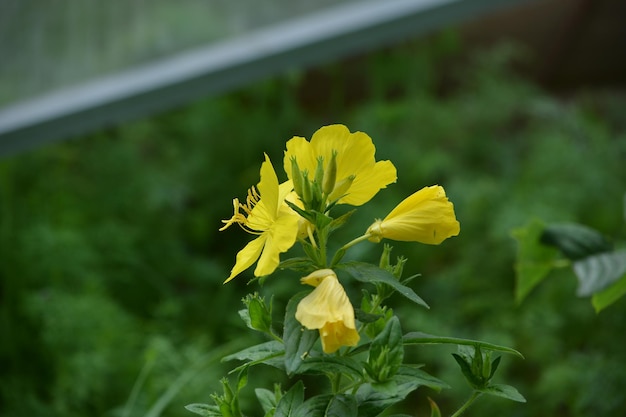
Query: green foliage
x,y
599,268
111,264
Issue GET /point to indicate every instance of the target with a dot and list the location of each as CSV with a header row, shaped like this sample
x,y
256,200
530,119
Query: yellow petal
x,y
426,216
368,182
327,303
268,186
299,148
335,335
247,256
278,239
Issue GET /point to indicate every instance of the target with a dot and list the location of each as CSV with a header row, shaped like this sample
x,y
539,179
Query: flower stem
x,y
469,402
355,241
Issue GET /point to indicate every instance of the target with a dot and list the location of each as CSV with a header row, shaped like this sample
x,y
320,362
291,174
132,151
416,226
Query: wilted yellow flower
x,y
357,177
328,309
265,214
426,216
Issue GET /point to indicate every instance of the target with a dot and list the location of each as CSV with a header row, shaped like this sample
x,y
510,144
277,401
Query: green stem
x,y
342,250
465,406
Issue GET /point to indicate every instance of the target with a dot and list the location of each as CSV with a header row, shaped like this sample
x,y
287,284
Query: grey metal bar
x,y
161,85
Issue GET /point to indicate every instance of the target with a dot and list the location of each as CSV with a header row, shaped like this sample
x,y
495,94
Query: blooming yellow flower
x,y
328,309
426,216
358,176
265,214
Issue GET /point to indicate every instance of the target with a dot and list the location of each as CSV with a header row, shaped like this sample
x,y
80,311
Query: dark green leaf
x,y
298,340
364,317
387,351
575,241
504,391
365,272
494,366
419,338
331,364
466,369
341,405
534,260
372,402
597,272
418,376
290,401
300,264
314,406
258,352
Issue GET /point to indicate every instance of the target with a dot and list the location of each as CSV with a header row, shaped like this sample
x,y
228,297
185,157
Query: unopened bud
x,y
296,177
341,188
330,174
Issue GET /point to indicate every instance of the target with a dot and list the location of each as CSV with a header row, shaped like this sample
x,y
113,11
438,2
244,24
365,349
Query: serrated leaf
x,y
419,338
298,340
534,260
369,273
575,241
605,298
290,401
504,391
597,272
204,410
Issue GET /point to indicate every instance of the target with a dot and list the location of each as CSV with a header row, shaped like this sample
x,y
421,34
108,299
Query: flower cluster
x,y
334,167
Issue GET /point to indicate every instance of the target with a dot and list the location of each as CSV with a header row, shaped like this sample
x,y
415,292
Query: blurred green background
x,y
111,265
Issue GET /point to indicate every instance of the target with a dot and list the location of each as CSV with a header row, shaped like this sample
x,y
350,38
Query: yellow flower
x,y
358,176
426,216
265,214
328,309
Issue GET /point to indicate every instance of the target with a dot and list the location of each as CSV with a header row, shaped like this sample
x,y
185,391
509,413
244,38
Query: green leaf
x,y
331,364
597,272
372,402
204,410
534,260
365,272
504,391
340,221
328,405
300,264
419,338
342,405
466,368
413,374
266,398
386,351
290,401
264,353
575,241
298,340
605,298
